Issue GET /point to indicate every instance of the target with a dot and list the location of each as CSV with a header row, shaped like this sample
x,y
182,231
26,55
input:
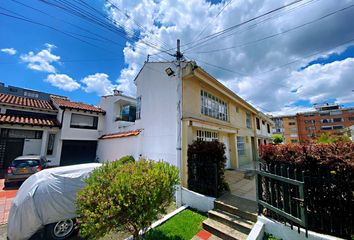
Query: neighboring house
x,y
175,107
33,122
264,128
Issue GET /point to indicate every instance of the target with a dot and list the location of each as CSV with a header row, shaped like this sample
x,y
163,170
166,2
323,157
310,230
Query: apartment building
x,y
328,118
38,123
286,126
176,105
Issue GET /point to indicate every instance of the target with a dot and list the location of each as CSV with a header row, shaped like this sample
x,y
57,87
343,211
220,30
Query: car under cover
x,y
46,197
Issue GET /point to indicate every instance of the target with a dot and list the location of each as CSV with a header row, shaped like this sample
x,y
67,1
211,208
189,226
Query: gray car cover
x,y
46,197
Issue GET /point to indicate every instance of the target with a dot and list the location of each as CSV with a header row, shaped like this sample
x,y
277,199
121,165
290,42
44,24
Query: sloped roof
x,y
25,102
121,134
66,103
33,121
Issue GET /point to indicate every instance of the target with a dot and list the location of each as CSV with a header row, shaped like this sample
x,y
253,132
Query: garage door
x,y
77,152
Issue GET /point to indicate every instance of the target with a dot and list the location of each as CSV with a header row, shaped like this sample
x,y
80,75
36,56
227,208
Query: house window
x,y
268,128
30,94
293,135
241,146
310,121
326,127
294,140
310,128
338,112
292,123
28,134
291,118
338,127
338,119
207,135
237,109
324,113
248,120
138,108
83,121
213,106
326,120
127,113
309,114
258,124
50,146
351,118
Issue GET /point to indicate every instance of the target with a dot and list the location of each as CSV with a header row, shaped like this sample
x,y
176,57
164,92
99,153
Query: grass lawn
x,y
184,225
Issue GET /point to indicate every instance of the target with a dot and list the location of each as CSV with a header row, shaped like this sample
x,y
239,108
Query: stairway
x,y
232,217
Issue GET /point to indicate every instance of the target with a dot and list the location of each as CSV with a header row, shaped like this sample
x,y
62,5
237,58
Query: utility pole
x,y
179,122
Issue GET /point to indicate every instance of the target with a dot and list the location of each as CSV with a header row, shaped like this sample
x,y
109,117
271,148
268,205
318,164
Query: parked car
x,y
24,166
45,203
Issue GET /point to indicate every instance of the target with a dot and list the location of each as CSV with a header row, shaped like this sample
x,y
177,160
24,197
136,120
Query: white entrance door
x,y
227,152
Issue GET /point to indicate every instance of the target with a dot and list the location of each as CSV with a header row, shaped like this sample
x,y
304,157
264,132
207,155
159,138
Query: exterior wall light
x,y
169,71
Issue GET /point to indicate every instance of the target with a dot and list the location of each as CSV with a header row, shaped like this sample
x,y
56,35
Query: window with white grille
x,y
207,135
213,106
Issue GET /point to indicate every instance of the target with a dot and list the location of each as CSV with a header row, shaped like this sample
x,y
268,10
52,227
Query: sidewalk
x,y
6,197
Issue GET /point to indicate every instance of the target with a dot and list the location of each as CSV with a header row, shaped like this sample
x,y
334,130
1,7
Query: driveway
x,y
6,197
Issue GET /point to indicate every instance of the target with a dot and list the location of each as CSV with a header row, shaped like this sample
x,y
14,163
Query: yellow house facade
x,y
212,111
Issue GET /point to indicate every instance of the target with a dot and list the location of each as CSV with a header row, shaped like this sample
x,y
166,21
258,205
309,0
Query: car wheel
x,y
60,230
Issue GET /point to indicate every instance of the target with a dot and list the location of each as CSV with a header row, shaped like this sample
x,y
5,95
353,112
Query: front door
x,y
227,151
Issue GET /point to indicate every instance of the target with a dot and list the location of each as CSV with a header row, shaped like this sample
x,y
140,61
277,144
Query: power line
x,y
280,33
217,34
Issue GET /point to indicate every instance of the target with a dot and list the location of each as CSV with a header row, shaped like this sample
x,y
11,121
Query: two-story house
x,y
38,123
176,105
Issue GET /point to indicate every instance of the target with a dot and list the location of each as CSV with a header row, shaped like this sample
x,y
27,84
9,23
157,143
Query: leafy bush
x,y
206,168
126,159
328,138
125,197
277,138
329,181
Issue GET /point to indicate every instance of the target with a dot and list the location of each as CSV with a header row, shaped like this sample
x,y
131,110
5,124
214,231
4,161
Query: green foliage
x,y
126,159
206,168
328,138
127,197
277,138
183,226
268,236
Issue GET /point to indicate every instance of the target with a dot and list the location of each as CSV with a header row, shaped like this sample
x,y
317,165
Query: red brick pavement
x,y
6,197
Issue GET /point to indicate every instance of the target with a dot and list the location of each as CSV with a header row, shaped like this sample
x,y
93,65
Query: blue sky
x,y
83,72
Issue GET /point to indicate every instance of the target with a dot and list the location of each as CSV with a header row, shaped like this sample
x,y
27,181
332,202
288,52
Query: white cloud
x,y
10,51
41,61
62,81
98,83
166,21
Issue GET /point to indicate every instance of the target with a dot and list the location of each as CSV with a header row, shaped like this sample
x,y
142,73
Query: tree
x,y
127,197
277,138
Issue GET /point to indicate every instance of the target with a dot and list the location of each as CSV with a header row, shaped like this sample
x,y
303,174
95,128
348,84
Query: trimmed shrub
x,y
277,138
126,159
206,167
127,197
329,181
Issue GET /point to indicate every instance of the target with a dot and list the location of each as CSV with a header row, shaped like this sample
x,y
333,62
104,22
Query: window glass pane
x,y
83,121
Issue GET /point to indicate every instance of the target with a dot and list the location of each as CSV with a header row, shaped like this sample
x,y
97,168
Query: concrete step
x,y
241,207
223,231
233,221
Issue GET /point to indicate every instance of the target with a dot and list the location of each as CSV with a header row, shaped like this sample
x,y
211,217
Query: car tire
x,y
60,230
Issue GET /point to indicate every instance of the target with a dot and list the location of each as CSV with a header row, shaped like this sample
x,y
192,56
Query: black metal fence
x,y
202,177
320,200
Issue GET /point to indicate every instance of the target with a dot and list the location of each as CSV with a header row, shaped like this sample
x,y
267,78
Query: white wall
x,y
32,146
113,149
68,133
197,201
158,112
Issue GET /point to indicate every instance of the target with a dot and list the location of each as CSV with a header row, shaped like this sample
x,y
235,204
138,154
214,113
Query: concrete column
x,y
44,143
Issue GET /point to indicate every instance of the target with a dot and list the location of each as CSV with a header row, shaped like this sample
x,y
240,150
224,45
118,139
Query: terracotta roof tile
x,y
66,103
25,102
121,134
35,121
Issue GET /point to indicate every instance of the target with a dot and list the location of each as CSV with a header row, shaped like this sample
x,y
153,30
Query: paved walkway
x,y
240,186
6,197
